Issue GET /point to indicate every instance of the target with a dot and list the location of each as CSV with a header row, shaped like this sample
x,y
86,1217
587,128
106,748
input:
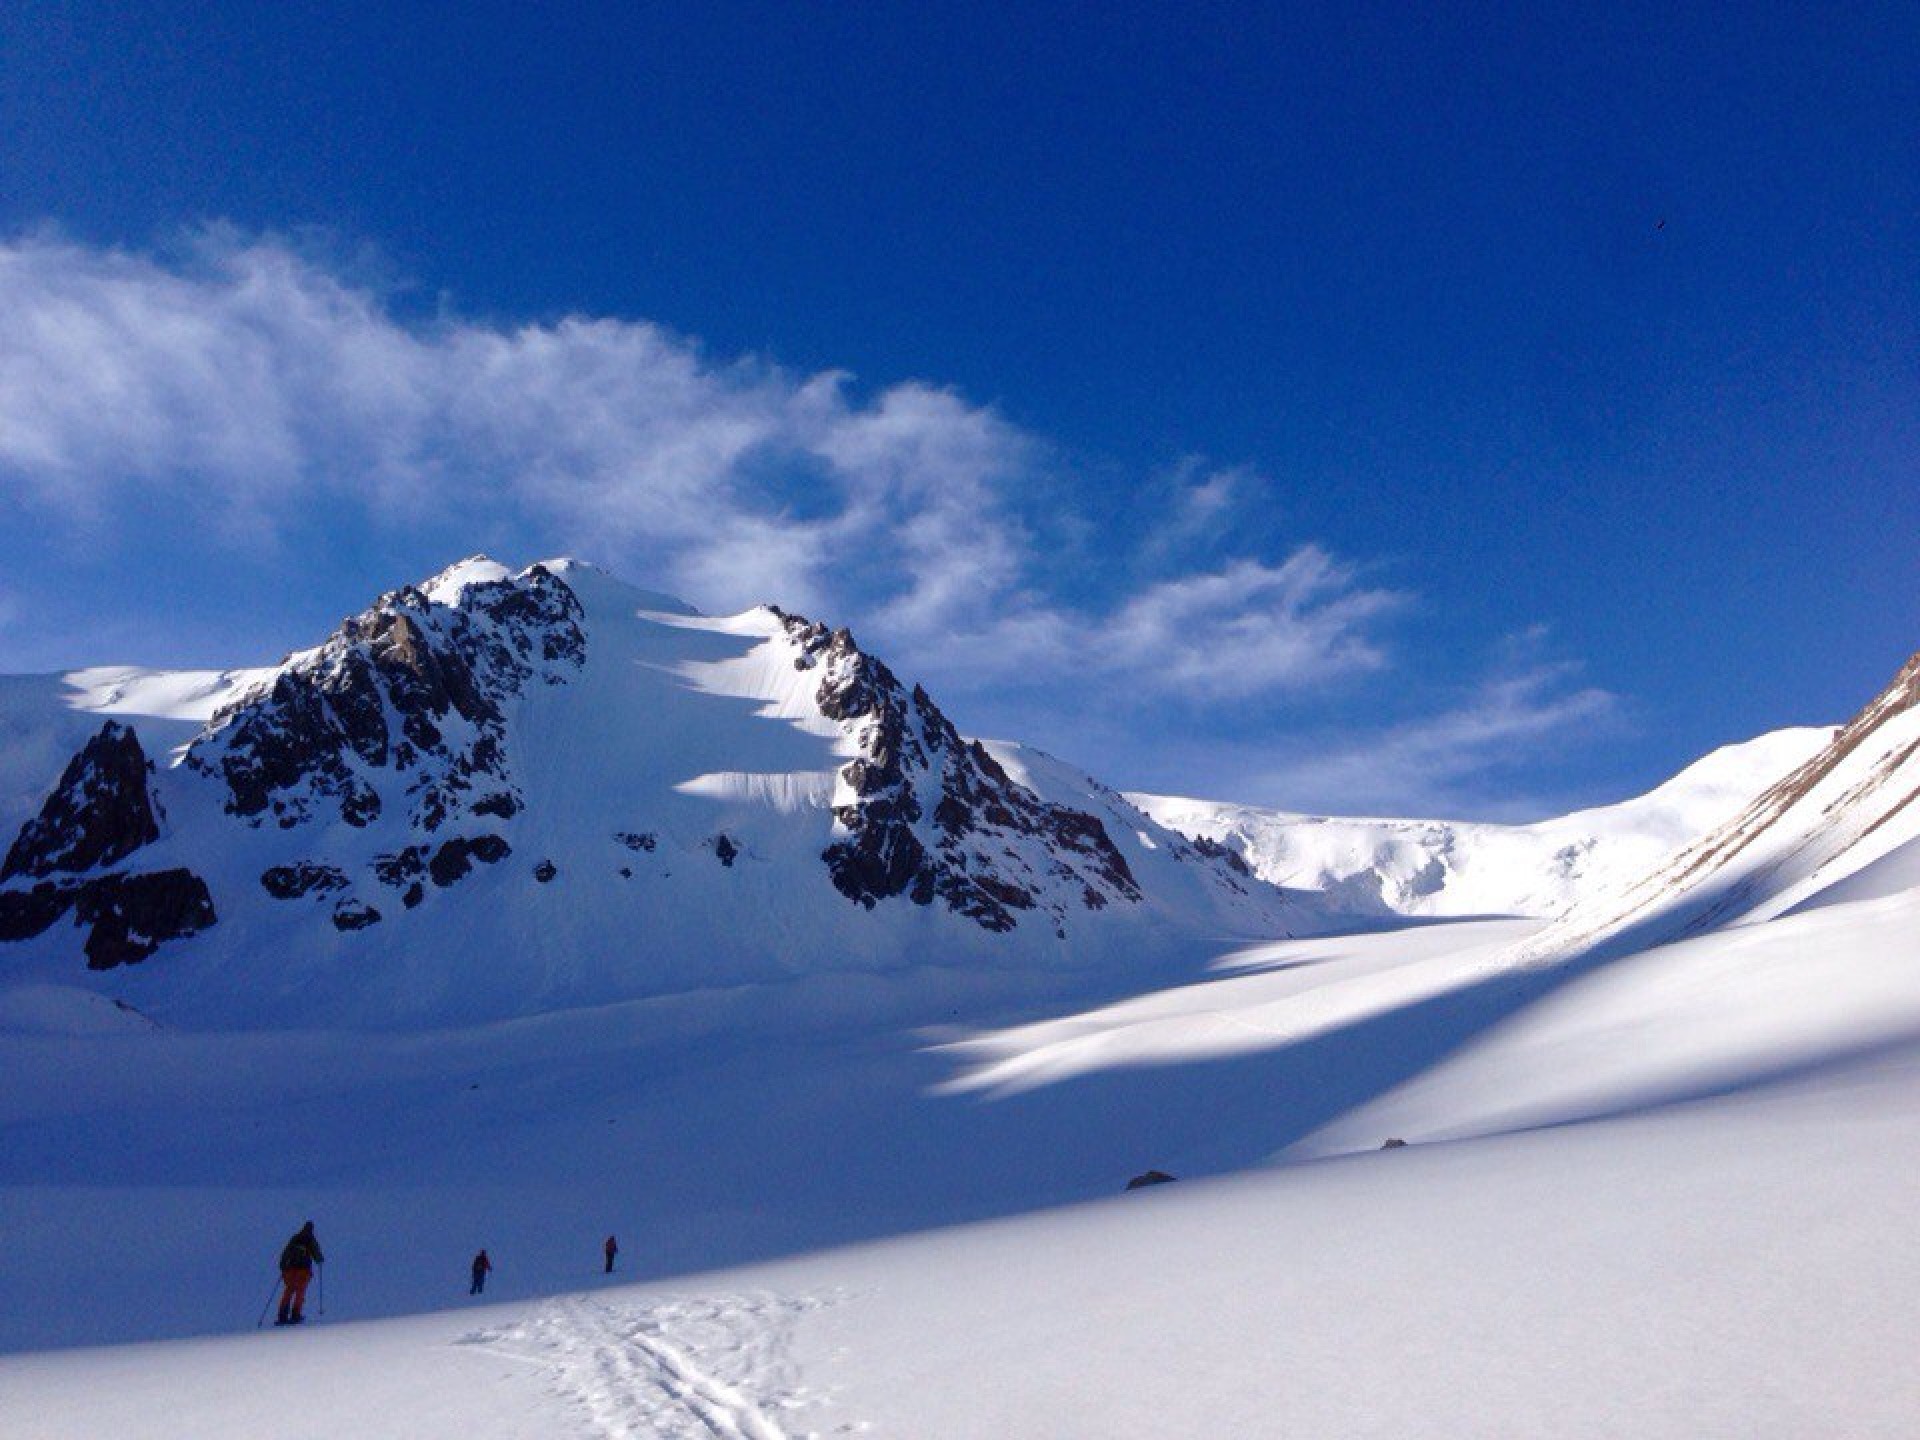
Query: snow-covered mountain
x,y
495,792
557,790
1455,868
1842,824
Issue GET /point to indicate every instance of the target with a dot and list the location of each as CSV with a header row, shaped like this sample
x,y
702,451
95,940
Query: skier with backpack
x,y
297,1259
481,1265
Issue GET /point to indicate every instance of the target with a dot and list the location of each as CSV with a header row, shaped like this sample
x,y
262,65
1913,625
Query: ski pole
x,y
268,1306
322,1278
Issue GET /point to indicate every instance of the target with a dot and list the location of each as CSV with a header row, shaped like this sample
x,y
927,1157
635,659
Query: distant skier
x,y
481,1265
612,1248
297,1260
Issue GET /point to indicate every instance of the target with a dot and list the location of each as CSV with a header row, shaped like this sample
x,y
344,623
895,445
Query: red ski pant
x,y
294,1298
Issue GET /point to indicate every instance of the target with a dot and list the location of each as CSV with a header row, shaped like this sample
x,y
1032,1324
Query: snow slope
x,y
1849,806
1657,1178
1714,1014
1657,1194
1727,1270
1454,867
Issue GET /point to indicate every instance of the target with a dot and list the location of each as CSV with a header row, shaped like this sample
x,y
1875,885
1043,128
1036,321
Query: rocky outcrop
x,y
454,859
403,705
100,813
1215,850
931,816
130,916
30,912
289,882
350,914
126,917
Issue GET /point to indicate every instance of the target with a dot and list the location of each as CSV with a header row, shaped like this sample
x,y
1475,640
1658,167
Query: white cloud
x,y
1251,627
1441,764
255,387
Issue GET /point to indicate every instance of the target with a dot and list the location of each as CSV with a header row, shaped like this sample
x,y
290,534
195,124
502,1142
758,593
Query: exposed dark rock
x,y
280,750
1394,1144
1150,1177
131,915
351,914
127,917
725,850
455,858
975,851
489,849
405,700
545,871
413,895
637,840
26,913
1214,850
450,862
101,811
287,882
401,867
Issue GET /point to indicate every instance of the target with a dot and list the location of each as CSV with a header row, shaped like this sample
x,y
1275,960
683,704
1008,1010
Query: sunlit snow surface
x,y
1647,1192
1720,1250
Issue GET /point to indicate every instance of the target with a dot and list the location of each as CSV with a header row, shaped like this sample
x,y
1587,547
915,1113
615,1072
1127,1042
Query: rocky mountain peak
x,y
929,815
524,778
412,687
101,811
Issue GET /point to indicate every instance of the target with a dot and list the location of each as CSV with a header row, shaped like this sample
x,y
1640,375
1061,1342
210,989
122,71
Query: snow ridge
x,y
1832,816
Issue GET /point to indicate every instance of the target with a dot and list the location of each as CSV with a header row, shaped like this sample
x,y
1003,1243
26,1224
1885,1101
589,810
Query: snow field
x,y
1731,1269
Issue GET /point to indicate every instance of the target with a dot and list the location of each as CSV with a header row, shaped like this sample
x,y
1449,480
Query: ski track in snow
x,y
702,1366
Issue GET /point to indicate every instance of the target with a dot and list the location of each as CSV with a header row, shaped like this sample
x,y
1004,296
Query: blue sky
x,y
1360,408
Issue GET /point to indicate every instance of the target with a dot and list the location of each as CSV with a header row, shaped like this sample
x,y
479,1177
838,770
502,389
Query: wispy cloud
x,y
250,384
250,394
1459,760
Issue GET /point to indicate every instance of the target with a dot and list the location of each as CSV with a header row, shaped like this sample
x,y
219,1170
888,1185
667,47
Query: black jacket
x,y
302,1252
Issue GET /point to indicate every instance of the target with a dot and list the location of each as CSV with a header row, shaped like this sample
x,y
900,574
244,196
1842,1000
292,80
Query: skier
x,y
481,1265
612,1249
297,1260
